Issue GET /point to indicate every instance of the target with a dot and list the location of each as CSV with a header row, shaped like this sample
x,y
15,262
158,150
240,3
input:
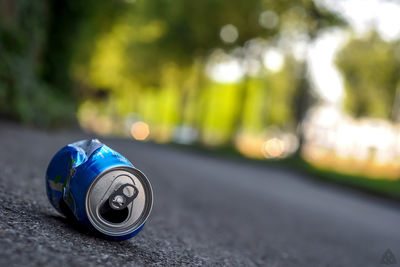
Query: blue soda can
x,y
100,188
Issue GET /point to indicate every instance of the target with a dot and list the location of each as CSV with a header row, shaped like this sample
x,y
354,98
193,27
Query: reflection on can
x,y
100,188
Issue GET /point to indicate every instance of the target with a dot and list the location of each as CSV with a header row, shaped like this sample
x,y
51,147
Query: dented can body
x,y
100,188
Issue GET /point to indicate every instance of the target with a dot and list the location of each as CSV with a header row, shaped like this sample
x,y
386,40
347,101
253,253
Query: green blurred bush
x,y
39,40
24,95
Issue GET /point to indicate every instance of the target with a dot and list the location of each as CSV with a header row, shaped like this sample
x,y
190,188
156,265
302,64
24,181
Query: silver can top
x,y
119,201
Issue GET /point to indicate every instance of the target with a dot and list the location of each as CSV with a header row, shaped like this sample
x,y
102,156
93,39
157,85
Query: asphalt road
x,y
207,211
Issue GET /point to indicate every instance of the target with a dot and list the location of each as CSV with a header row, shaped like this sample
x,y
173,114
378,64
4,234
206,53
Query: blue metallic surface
x,y
72,170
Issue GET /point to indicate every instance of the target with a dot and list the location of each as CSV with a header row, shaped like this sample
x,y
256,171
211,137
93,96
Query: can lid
x,y
119,201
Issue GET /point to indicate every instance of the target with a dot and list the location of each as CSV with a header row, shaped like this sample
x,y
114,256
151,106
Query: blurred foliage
x,y
71,32
371,71
151,63
23,95
39,40
182,31
153,34
117,58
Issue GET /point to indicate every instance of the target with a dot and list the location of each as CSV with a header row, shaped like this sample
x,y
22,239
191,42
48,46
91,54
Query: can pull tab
x,y
123,196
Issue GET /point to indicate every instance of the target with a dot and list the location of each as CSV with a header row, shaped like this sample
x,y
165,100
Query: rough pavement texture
x,y
208,211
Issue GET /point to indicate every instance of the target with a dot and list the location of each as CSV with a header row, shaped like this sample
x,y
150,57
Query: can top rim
x,y
148,201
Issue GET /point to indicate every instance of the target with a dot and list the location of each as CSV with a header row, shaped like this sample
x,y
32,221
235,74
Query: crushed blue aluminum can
x,y
100,188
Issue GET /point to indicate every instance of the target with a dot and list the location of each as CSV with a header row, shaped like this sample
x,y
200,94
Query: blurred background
x,y
311,84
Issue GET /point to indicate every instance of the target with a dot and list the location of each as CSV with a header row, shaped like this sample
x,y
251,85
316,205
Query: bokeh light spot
x,y
140,130
274,148
268,19
229,33
273,60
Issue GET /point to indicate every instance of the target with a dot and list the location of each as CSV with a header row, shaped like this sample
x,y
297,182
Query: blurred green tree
x,y
163,44
72,29
371,71
23,96
39,40
57,53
